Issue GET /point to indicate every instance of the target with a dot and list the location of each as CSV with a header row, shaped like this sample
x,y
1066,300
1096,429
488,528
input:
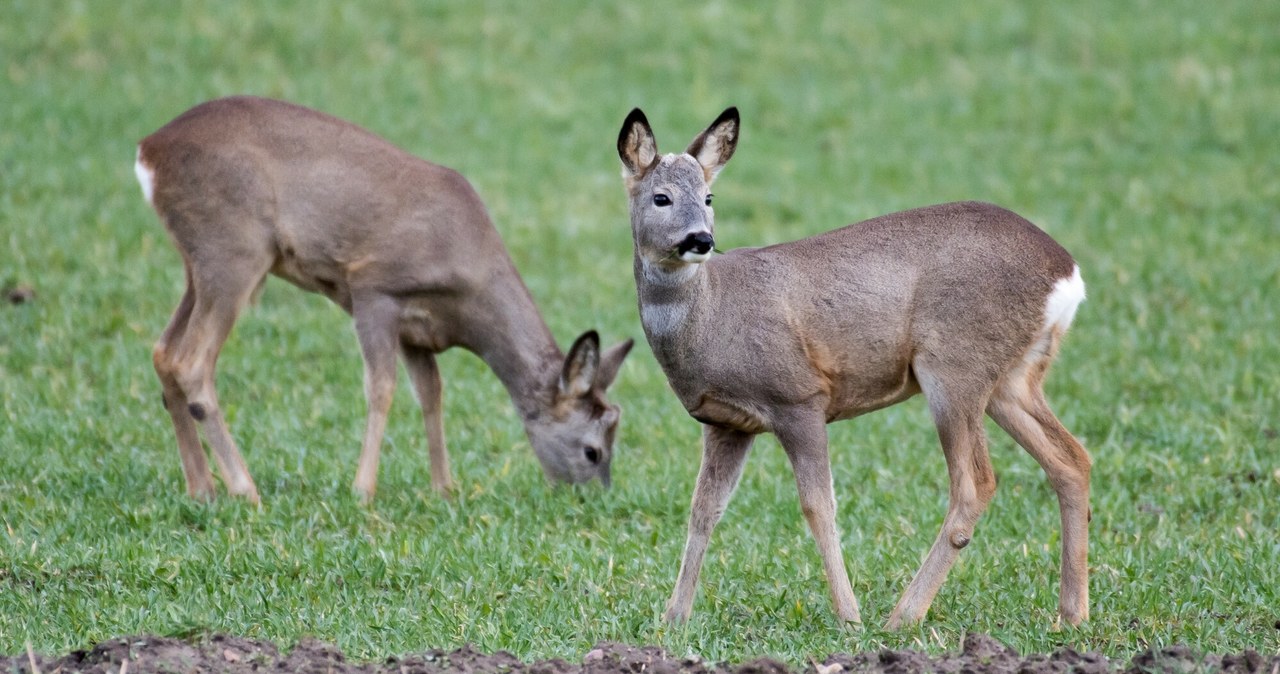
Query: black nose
x,y
700,244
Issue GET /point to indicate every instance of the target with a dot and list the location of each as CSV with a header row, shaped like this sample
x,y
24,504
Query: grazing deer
x,y
248,186
965,302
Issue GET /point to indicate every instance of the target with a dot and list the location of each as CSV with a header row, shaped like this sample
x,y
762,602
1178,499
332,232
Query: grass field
x,y
1144,136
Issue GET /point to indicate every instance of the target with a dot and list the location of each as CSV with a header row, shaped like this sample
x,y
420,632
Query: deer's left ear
x,y
610,362
713,147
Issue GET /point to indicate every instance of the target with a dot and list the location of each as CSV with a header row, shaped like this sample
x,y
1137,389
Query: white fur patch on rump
x,y
146,177
1066,297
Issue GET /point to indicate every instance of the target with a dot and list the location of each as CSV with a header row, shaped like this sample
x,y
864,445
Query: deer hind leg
x,y
957,413
724,453
1019,407
195,466
377,327
190,354
425,375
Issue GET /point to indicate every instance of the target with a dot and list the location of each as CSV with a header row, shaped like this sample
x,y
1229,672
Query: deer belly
x,y
315,277
423,327
854,397
725,414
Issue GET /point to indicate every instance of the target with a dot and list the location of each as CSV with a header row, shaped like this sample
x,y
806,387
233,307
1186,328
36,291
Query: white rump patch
x,y
146,177
1061,306
1059,309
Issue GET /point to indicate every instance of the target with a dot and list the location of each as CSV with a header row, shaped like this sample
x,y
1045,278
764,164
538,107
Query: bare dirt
x,y
19,294
220,653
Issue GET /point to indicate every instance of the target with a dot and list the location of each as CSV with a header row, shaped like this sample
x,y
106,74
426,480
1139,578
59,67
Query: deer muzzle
x,y
696,247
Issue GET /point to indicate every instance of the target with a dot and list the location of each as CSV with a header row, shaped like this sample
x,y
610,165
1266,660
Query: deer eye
x,y
709,199
592,454
661,200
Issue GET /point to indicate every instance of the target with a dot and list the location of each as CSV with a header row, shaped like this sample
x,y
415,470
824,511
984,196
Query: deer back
x,y
339,206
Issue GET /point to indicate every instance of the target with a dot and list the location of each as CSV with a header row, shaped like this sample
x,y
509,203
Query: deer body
x,y
248,187
797,306
965,302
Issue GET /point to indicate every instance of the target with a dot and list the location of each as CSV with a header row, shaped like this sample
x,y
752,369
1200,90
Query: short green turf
x,y
1143,136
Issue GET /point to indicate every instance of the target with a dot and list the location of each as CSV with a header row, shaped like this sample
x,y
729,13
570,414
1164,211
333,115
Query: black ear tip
x,y
590,337
636,115
730,113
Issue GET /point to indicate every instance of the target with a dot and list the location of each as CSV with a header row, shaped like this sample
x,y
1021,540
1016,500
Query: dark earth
x,y
19,294
979,654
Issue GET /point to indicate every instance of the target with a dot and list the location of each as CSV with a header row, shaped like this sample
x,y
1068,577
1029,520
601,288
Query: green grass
x,y
1144,136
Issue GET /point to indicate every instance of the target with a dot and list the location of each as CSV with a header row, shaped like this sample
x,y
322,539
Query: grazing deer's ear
x,y
580,366
610,362
713,147
636,146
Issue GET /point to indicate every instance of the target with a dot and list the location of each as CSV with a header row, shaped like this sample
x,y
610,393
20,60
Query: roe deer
x,y
965,302
249,186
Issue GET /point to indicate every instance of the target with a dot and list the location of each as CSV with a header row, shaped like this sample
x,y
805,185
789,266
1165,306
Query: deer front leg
x,y
724,452
377,324
425,375
805,442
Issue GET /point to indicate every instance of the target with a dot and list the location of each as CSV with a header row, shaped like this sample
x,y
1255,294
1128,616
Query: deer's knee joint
x,y
380,392
197,411
705,521
958,540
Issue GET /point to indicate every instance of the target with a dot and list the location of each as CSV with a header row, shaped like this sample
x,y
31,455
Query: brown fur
x,y
249,186
948,300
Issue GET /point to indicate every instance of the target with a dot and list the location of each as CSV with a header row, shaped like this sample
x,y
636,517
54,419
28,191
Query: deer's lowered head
x,y
573,436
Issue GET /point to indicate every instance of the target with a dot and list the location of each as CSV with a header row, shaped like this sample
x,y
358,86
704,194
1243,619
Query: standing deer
x,y
964,302
248,186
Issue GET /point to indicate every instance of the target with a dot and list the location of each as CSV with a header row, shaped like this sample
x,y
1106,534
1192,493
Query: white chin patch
x,y
690,256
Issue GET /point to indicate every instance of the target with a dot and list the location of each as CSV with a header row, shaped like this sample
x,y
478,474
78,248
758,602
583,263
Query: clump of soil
x,y
980,654
20,294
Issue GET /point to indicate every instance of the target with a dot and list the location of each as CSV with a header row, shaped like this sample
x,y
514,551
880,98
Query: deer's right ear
x,y
636,147
580,367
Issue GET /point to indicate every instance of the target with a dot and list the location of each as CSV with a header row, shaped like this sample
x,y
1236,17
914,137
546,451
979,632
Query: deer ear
x,y
713,147
610,362
636,146
580,366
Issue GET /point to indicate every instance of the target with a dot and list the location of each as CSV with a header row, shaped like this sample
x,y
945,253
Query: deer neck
x,y
514,341
670,304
